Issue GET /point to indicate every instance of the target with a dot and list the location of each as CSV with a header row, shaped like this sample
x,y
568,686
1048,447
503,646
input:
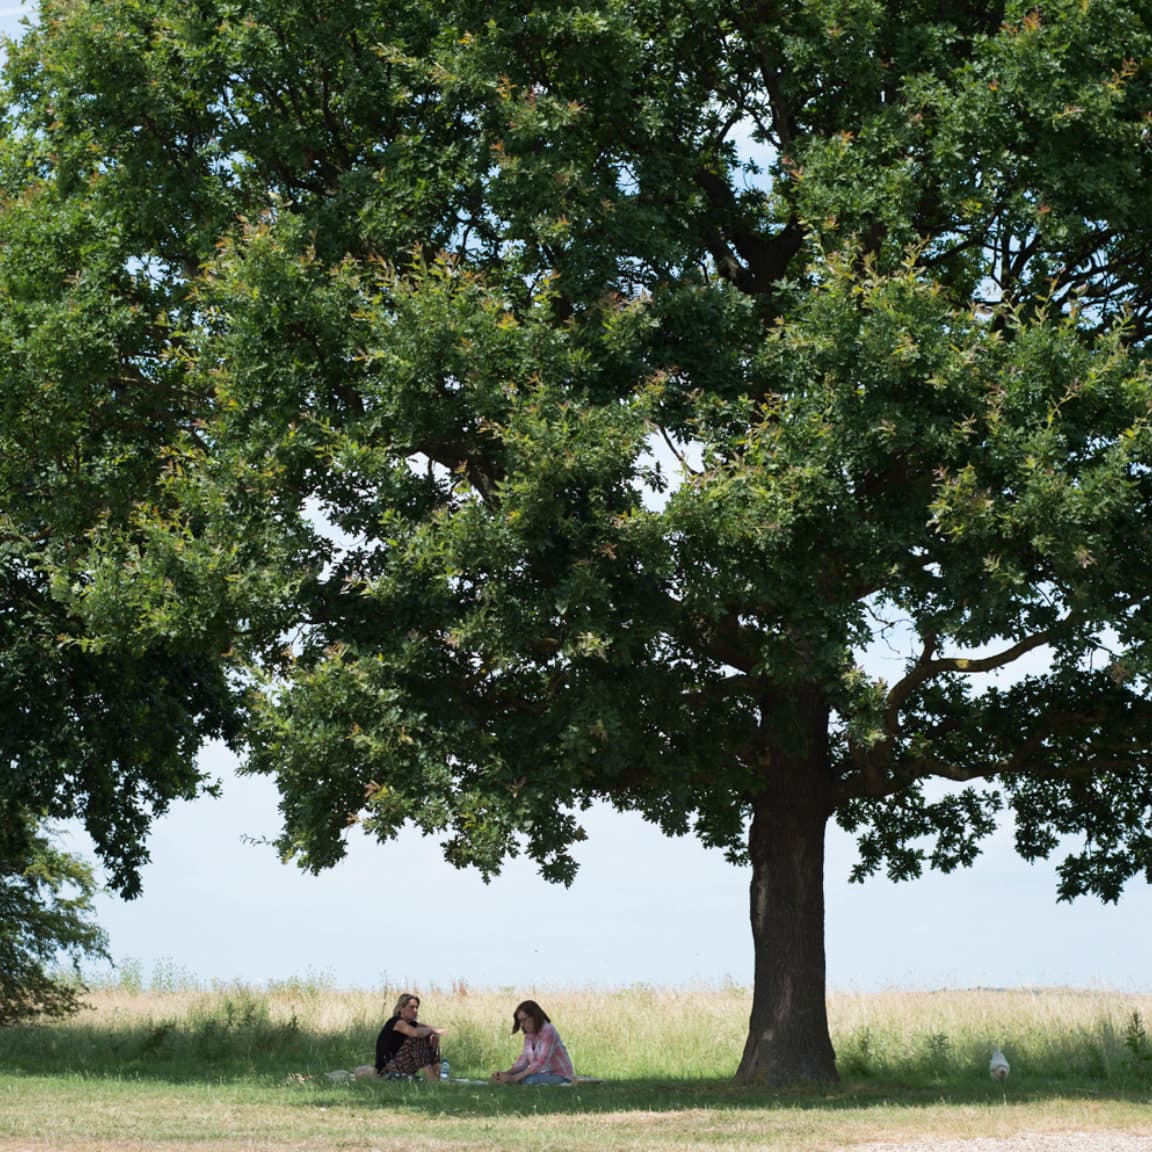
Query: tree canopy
x,y
365,323
105,731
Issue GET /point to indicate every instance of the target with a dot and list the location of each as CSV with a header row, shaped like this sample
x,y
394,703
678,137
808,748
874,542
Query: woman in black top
x,y
404,1047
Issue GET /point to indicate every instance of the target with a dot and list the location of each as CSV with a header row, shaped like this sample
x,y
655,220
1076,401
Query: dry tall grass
x,y
639,1032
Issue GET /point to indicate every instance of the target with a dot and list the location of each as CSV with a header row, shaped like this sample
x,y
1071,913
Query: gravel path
x,y
1025,1142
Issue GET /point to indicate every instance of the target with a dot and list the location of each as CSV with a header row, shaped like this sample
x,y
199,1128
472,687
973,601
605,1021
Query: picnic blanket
x,y
368,1072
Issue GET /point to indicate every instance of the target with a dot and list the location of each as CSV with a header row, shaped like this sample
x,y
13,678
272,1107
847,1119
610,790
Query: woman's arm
x,y
518,1070
417,1031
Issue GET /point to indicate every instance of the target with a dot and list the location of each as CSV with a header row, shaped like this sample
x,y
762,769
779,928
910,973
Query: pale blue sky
x,y
643,909
10,18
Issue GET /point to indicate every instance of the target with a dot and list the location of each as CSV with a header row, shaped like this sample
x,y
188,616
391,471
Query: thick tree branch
x,y
873,764
762,15
926,667
758,260
1000,659
467,458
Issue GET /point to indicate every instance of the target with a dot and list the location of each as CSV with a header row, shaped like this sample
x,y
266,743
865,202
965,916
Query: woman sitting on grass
x,y
544,1059
405,1048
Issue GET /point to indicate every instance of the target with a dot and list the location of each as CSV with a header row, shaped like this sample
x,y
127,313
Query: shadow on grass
x,y
465,1100
206,1051
293,1089
290,1062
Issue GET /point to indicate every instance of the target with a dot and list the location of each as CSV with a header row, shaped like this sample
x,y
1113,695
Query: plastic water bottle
x,y
445,1070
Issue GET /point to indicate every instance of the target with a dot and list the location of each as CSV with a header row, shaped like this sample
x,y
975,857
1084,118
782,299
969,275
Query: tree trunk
x,y
788,1040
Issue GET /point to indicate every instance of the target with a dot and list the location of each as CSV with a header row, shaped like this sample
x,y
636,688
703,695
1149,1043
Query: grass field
x,y
235,1067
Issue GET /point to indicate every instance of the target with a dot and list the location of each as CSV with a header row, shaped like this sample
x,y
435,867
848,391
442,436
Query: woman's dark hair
x,y
529,1008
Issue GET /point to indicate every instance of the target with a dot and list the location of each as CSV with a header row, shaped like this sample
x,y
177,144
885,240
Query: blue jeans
x,y
544,1078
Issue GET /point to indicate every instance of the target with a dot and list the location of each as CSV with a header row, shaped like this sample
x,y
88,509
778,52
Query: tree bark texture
x,y
788,1040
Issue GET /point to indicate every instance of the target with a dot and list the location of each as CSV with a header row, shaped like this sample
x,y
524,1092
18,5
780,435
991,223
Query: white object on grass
x,y
998,1066
340,1076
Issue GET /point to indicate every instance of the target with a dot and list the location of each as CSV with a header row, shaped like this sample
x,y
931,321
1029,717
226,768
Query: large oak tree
x,y
410,294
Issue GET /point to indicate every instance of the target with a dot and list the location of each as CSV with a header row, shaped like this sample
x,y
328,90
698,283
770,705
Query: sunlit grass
x,y
179,1064
1046,1033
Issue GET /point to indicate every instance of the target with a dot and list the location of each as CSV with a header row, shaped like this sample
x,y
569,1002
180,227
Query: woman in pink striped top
x,y
544,1059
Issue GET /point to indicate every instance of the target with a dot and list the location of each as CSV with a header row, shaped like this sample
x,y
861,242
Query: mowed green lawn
x,y
240,1068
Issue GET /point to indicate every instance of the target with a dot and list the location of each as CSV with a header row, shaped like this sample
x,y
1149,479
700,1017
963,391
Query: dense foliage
x,y
105,732
46,930
538,403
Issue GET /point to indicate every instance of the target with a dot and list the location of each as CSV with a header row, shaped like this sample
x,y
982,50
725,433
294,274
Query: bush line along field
x,y
239,1066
